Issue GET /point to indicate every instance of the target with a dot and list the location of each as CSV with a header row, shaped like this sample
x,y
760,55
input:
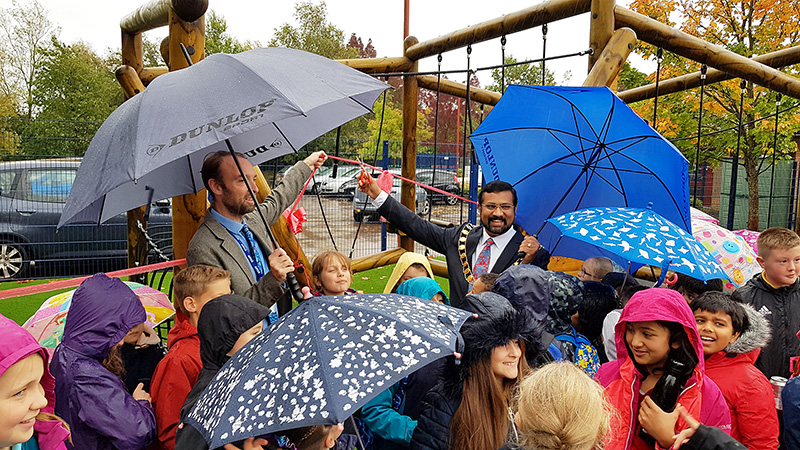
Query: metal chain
x,y
150,241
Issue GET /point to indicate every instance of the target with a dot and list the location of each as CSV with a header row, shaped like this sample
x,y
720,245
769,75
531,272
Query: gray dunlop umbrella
x,y
322,361
265,102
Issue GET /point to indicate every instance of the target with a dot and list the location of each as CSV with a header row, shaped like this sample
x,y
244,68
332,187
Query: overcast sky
x,y
97,23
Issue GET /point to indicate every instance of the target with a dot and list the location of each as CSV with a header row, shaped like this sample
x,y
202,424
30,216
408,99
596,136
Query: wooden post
x,y
781,58
132,51
129,80
531,17
601,28
459,90
187,210
149,74
696,49
283,235
409,160
604,72
377,260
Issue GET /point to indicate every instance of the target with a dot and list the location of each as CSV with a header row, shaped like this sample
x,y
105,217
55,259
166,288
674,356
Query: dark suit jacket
x,y
445,241
213,245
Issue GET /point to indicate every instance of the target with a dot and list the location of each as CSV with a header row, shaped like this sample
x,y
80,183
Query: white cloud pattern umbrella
x,y
323,361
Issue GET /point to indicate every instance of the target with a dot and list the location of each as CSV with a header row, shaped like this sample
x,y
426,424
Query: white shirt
x,y
500,243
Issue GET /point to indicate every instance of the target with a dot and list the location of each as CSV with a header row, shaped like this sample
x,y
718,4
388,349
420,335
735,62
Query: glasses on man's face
x,y
505,207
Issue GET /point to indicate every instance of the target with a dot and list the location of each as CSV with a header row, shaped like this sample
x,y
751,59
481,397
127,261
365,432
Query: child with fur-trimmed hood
x,y
733,335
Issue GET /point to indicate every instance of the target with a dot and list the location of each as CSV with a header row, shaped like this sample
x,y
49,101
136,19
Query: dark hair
x,y
616,279
715,302
598,300
690,285
497,186
114,363
211,168
488,279
627,291
685,352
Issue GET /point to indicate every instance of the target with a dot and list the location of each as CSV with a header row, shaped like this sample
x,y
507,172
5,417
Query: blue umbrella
x,y
321,362
568,148
640,236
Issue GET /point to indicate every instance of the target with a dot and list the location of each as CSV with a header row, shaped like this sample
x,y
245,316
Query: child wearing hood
x,y
410,265
26,393
392,415
733,334
89,397
657,332
226,324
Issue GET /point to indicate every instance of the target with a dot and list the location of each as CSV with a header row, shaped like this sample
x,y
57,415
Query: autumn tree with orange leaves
x,y
749,28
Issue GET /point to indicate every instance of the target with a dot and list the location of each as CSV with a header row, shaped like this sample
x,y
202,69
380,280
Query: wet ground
x,y
362,239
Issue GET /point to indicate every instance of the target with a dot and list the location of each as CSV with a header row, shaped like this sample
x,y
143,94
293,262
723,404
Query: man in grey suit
x,y
233,236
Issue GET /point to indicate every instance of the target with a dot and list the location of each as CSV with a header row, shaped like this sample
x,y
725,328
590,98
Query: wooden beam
x,y
149,74
151,15
601,28
187,210
129,80
459,89
696,49
132,51
379,65
408,166
604,72
283,235
531,17
377,260
781,58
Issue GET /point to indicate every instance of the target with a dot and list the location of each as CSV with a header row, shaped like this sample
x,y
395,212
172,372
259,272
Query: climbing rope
x,y
735,162
703,71
659,58
544,51
774,154
503,61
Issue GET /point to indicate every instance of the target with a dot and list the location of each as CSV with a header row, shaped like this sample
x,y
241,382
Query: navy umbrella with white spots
x,y
323,361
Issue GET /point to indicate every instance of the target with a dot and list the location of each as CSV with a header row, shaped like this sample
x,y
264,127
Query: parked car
x,y
446,181
32,197
362,205
345,182
320,177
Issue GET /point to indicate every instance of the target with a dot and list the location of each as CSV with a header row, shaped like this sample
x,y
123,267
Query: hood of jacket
x,y
405,261
18,345
756,336
221,322
422,287
181,330
566,294
658,304
526,287
102,312
498,322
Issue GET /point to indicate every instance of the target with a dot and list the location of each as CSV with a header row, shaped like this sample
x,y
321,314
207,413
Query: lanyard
x,y
254,263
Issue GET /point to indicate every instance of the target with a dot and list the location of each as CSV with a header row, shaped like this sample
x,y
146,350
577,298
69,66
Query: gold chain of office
x,y
462,253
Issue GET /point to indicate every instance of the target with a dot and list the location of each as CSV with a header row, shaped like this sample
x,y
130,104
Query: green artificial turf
x,y
374,280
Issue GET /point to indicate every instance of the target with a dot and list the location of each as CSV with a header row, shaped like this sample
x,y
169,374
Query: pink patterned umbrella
x,y
47,323
700,215
732,253
750,237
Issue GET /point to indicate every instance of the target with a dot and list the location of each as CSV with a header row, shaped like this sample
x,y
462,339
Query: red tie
x,y
482,265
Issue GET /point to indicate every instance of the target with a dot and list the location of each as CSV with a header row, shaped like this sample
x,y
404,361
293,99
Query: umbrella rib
x,y
191,173
284,137
558,160
362,105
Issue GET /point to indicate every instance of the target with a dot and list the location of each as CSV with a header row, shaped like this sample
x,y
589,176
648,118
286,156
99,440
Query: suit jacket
x,y
445,241
213,245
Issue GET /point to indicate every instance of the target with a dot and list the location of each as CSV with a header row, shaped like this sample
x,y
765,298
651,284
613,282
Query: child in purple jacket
x,y
93,400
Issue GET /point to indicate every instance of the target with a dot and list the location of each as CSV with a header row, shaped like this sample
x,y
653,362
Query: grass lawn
x,y
19,309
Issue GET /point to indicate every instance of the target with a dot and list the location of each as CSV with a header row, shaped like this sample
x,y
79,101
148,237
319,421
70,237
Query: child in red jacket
x,y
177,372
733,335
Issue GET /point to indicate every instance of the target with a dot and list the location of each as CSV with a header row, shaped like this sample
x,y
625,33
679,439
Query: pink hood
x,y
17,345
658,304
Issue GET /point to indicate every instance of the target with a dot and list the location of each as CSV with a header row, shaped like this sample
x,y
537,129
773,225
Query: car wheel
x,y
426,207
13,260
450,200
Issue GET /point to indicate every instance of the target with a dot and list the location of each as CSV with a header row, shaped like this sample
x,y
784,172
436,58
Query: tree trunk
x,y
751,160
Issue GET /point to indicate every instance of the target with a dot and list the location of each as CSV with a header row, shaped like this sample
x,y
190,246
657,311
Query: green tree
x,y
747,27
219,41
25,32
392,129
314,33
520,74
630,77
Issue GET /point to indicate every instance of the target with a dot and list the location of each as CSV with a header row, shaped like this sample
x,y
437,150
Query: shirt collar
x,y
229,224
500,241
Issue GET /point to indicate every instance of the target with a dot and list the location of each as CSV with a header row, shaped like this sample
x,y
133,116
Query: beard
x,y
240,207
497,229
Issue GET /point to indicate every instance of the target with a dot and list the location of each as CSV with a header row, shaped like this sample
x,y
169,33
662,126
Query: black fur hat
x,y
498,322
